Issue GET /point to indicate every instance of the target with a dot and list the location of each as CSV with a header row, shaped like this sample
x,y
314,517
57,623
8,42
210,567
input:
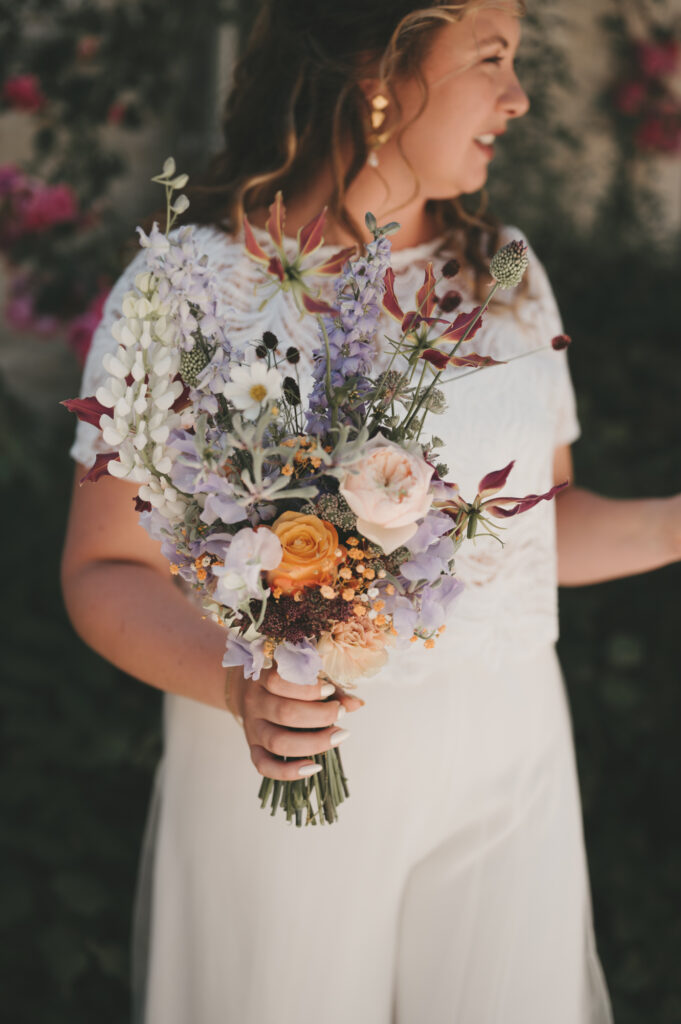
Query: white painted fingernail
x,y
309,769
339,736
328,689
341,712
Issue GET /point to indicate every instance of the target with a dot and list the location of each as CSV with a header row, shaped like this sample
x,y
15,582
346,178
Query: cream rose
x,y
352,649
388,489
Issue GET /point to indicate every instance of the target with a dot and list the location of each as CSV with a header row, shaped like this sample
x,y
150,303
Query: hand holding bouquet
x,y
318,530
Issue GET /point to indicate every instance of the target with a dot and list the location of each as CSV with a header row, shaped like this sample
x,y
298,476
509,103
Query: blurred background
x,y
93,97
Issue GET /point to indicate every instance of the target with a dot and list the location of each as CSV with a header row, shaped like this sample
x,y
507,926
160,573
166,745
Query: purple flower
x,y
249,655
430,564
351,334
404,614
250,553
429,531
298,663
435,602
221,506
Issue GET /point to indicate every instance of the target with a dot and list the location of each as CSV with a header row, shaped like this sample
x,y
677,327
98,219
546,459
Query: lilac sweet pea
x,y
430,564
298,663
435,602
245,654
251,553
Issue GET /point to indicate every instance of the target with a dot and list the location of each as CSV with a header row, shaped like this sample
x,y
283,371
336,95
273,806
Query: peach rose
x,y
311,552
388,489
352,649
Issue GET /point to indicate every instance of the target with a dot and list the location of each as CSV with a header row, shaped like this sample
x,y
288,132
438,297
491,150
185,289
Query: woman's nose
x,y
515,100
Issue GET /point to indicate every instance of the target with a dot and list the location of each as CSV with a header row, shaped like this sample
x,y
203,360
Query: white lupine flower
x,y
110,432
162,363
141,402
144,281
113,365
128,306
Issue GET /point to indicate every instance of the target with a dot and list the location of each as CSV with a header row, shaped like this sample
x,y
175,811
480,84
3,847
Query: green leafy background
x,y
80,740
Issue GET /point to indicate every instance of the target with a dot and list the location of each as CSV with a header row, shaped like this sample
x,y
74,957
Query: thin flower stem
x,y
463,338
327,377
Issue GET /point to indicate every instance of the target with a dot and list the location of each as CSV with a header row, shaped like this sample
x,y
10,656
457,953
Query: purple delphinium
x,y
359,295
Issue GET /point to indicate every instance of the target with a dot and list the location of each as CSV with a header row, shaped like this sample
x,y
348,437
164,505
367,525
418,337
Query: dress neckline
x,y
399,257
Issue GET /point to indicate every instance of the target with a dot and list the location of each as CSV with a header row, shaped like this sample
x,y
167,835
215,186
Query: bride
x,y
454,887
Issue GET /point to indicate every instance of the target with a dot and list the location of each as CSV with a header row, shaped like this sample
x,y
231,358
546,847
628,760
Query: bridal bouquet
x,y
318,528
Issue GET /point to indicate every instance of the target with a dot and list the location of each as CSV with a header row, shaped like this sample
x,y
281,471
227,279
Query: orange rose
x,y
311,552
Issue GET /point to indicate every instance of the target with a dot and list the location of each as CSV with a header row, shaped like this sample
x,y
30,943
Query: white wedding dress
x,y
454,888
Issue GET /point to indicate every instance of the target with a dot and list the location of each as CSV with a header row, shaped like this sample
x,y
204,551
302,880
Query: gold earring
x,y
379,103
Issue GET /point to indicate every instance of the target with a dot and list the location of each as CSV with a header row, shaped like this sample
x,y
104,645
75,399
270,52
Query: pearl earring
x,y
376,138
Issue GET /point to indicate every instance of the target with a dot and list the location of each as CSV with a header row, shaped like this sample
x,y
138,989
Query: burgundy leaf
x,y
334,265
390,303
521,504
276,268
462,324
435,358
473,359
99,468
88,410
494,481
310,236
275,221
313,305
183,400
425,297
253,247
410,321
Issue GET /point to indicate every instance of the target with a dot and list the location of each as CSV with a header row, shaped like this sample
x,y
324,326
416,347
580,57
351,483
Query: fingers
x,y
274,768
277,739
273,682
298,714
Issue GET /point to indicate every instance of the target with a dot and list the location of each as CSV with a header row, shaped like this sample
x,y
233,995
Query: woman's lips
x,y
487,150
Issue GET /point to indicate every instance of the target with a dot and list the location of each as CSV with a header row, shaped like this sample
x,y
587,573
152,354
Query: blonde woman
x,y
454,887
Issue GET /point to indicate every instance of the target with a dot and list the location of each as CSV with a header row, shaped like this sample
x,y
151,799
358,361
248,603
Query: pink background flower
x,y
23,92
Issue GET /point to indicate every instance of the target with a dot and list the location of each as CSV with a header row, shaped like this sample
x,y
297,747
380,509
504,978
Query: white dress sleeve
x,y
567,423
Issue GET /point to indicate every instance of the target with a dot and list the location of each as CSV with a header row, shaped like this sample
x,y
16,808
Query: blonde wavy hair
x,y
296,100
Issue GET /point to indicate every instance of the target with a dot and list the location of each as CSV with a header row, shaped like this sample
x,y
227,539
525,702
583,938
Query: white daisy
x,y
252,385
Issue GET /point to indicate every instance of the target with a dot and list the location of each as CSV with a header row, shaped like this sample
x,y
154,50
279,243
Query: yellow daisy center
x,y
258,392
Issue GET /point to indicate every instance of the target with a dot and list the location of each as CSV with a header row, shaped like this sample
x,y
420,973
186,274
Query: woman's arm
x,y
606,538
122,601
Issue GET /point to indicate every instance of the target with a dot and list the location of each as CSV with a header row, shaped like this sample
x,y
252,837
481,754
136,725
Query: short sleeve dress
x,y
454,888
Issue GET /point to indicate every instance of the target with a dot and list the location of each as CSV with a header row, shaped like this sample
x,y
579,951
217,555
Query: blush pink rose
x,y
352,649
388,489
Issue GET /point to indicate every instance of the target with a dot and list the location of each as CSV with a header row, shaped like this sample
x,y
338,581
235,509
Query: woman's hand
x,y
283,719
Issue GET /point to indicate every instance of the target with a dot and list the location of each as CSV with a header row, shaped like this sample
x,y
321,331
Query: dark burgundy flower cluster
x,y
287,619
